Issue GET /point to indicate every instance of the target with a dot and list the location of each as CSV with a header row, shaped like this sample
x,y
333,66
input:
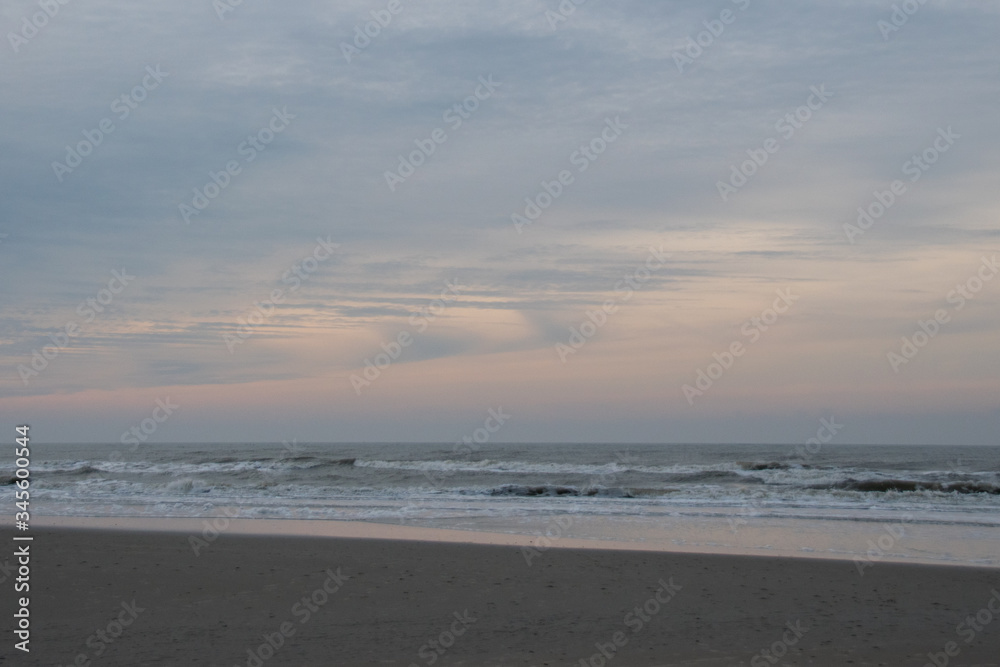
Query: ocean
x,y
921,503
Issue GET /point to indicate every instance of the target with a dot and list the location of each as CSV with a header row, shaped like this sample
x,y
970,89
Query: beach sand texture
x,y
381,602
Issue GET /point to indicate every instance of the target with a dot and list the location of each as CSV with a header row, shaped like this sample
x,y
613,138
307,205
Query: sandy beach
x,y
143,598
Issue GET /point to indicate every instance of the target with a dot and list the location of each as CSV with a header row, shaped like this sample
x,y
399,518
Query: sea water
x,y
920,503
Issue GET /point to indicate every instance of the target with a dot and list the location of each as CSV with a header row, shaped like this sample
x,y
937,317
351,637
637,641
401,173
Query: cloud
x,y
61,235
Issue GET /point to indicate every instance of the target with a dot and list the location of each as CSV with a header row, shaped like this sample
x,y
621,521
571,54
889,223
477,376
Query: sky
x,y
638,221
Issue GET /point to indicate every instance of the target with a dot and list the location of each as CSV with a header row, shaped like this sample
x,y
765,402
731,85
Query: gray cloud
x,y
325,174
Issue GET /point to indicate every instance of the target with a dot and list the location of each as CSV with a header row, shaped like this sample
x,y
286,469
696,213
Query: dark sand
x,y
209,609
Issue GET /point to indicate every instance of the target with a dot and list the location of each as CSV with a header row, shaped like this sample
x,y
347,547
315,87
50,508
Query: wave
x,y
327,462
487,465
908,485
550,490
240,459
720,470
221,466
712,476
76,469
770,465
330,475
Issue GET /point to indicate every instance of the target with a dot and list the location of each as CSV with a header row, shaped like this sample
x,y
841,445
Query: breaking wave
x,y
550,490
907,485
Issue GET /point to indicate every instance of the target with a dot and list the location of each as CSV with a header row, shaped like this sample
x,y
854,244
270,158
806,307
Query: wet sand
x,y
103,597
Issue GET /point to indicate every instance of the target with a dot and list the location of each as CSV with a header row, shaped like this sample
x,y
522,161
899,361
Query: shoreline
x,y
207,529
357,601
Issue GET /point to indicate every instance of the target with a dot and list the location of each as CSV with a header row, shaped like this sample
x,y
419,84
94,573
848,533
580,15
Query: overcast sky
x,y
675,169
